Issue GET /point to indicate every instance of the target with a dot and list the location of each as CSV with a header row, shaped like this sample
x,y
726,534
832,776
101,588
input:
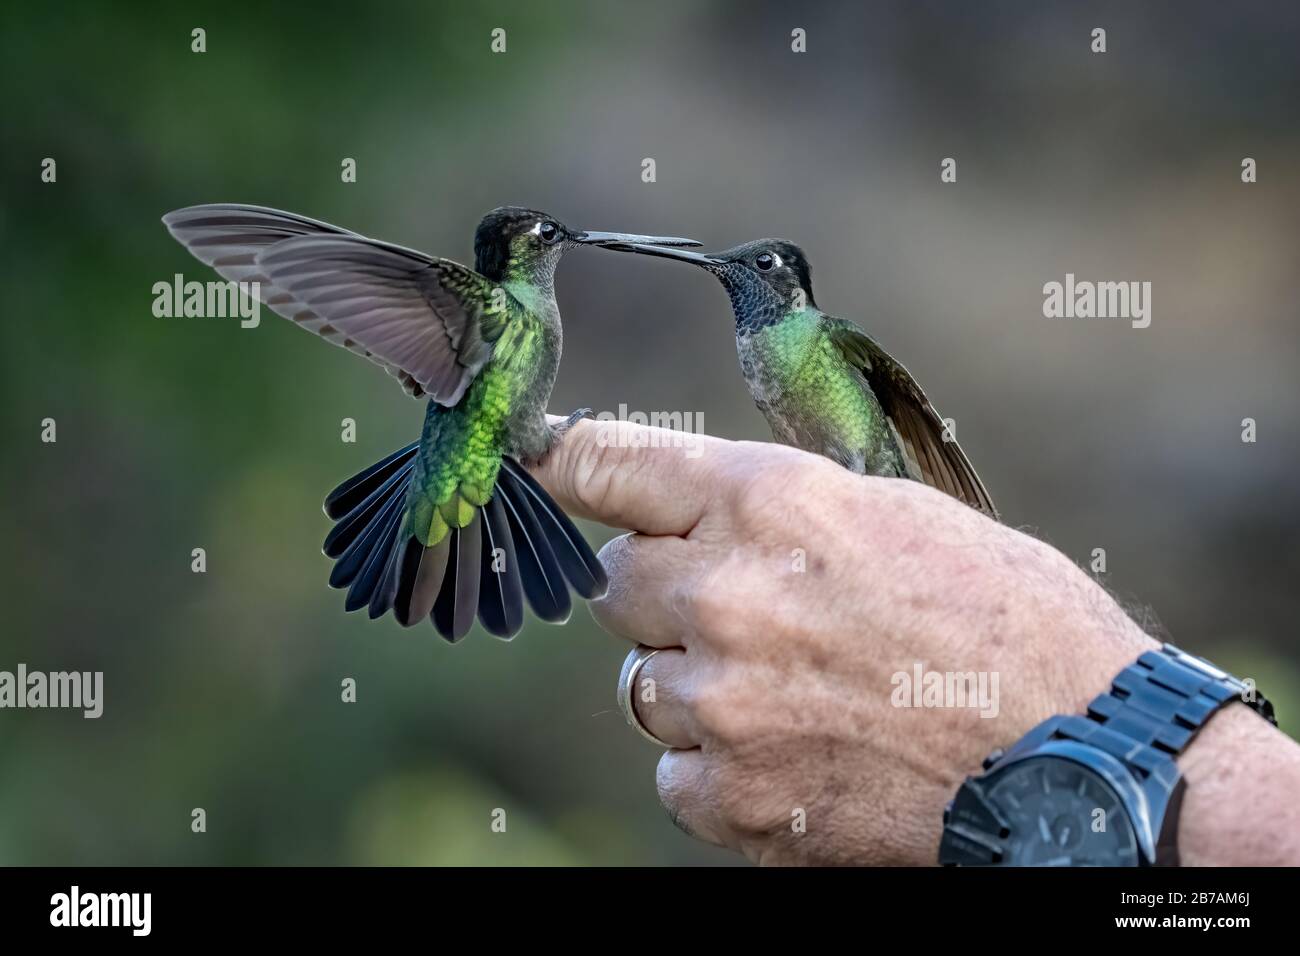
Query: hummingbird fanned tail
x,y
578,563
518,549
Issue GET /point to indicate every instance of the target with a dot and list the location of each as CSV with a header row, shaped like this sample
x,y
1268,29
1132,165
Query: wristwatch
x,y
1100,790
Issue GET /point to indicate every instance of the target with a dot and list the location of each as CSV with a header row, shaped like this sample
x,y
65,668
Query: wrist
x,y
1240,761
1102,652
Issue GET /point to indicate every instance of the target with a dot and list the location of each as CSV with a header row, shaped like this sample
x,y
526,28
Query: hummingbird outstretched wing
x,y
937,461
430,322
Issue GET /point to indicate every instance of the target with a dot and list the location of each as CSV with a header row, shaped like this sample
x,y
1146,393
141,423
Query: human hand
x,y
788,596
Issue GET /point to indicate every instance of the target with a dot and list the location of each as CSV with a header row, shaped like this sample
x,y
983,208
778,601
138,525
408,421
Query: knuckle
x,y
711,610
720,708
755,497
784,488
720,620
719,604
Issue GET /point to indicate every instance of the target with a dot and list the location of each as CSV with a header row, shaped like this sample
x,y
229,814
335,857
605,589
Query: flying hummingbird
x,y
451,525
821,382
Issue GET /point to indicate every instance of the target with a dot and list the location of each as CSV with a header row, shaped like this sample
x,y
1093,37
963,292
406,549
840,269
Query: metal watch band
x,y
1155,707
1153,710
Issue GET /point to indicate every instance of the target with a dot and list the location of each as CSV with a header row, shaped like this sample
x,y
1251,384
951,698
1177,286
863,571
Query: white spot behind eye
x,y
777,260
537,228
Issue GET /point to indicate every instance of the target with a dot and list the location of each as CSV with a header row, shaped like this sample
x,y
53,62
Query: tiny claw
x,y
559,430
572,420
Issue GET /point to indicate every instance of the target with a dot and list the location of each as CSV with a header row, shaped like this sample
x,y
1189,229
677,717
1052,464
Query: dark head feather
x,y
794,264
492,238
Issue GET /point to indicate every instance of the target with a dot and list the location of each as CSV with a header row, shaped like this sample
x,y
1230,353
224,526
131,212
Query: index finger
x,y
653,480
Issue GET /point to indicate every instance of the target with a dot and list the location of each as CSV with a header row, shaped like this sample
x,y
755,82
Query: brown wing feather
x,y
433,318
425,320
939,463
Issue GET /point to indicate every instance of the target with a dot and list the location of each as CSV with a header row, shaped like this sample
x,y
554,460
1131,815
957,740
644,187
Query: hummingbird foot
x,y
558,431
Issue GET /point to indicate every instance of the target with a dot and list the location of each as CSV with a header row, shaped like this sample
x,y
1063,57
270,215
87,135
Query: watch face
x,y
1060,813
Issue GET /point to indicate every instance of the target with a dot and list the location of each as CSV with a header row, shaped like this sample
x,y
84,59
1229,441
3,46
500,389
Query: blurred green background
x,y
222,689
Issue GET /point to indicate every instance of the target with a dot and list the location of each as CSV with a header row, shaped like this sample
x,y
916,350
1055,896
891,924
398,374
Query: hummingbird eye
x,y
765,262
549,232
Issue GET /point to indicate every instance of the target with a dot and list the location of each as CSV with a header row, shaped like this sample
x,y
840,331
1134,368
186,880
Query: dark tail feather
x,y
501,591
353,523
543,580
353,559
453,612
363,587
352,492
421,580
381,601
369,508
444,605
575,556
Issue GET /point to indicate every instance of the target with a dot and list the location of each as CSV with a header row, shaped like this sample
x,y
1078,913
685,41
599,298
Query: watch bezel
x,y
1111,771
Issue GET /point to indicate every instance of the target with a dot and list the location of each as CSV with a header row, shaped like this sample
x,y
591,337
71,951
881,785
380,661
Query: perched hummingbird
x,y
451,525
822,384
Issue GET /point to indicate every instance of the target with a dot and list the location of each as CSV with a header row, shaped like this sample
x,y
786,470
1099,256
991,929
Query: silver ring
x,y
627,687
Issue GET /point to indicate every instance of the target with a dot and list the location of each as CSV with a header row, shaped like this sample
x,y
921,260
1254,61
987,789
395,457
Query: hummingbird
x,y
822,383
451,526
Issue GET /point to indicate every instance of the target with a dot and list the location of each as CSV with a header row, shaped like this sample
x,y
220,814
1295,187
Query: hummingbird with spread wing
x,y
452,526
821,382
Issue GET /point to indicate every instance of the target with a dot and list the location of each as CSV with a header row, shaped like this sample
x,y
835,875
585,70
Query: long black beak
x,y
606,239
650,249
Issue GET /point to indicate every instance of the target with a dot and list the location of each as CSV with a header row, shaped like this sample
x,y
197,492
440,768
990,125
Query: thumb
x,y
652,480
